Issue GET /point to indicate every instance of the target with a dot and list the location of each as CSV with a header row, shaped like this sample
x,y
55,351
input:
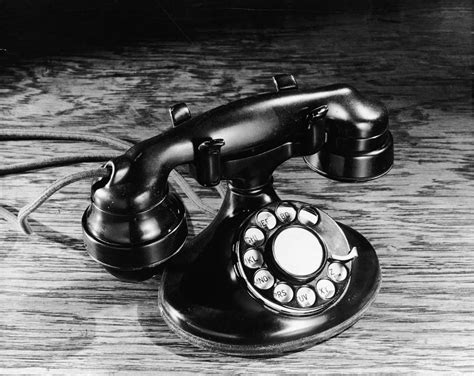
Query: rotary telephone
x,y
267,276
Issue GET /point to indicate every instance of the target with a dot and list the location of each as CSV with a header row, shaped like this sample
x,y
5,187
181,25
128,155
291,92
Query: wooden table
x,y
60,311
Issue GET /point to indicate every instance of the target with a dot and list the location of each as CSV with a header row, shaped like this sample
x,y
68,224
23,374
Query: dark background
x,y
54,26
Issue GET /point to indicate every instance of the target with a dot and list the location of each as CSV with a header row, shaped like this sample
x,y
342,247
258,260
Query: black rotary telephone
x,y
267,276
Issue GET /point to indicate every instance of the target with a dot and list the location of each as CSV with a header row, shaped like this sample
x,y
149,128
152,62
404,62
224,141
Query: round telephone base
x,y
204,304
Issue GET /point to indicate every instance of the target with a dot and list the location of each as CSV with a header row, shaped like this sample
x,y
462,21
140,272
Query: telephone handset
x,y
267,276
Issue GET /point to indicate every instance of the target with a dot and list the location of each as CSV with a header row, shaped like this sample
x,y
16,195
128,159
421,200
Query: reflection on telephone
x,y
267,276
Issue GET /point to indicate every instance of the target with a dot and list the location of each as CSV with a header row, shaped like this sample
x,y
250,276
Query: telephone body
x,y
267,276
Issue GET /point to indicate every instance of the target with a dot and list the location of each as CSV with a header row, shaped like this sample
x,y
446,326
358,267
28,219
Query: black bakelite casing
x,y
358,145
134,225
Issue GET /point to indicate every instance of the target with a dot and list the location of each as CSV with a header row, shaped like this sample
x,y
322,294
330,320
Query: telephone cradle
x,y
267,276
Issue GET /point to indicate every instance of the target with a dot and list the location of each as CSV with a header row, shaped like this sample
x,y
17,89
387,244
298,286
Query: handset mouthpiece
x,y
359,145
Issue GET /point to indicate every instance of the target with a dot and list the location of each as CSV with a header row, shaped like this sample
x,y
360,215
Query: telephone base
x,y
206,305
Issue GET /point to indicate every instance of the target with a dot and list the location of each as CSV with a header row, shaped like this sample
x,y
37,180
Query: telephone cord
x,y
25,211
22,219
117,143
17,168
41,134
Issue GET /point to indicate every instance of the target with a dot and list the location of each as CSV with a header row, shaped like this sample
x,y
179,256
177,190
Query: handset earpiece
x,y
131,242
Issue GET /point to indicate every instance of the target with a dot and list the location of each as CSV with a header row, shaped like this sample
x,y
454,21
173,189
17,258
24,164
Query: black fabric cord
x,y
52,189
17,168
41,134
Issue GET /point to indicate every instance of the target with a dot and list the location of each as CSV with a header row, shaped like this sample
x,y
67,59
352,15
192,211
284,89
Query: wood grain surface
x,y
60,312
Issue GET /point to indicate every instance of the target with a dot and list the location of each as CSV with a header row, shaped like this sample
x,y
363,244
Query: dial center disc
x,y
298,251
